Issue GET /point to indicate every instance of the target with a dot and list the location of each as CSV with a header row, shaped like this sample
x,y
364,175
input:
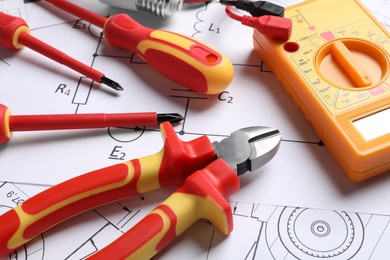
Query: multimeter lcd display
x,y
375,125
335,66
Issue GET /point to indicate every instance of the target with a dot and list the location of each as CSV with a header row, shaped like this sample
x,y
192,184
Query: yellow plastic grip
x,y
185,60
202,196
5,133
170,166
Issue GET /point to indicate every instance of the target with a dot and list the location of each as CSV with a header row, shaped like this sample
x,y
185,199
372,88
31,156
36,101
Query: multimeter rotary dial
x,y
352,63
335,67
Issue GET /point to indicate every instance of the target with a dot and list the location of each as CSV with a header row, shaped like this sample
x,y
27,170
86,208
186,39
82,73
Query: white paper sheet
x,y
302,182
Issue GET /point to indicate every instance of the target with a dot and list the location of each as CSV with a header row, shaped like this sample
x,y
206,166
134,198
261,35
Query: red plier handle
x,y
202,196
171,166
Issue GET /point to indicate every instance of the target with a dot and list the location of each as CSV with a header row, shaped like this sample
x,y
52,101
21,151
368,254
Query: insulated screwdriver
x,y
180,58
15,33
10,123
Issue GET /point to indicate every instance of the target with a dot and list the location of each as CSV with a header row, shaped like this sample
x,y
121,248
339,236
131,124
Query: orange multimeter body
x,y
335,67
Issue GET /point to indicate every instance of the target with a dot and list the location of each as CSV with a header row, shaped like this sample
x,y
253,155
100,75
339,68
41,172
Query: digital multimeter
x,y
335,67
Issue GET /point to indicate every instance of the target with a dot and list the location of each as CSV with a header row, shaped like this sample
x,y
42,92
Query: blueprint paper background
x,y
302,182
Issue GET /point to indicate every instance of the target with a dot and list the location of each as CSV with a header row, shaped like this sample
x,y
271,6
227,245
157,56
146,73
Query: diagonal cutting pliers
x,y
206,174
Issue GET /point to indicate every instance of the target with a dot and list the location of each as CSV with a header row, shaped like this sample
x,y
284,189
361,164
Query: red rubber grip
x,y
9,225
170,166
5,133
180,58
67,199
9,25
202,196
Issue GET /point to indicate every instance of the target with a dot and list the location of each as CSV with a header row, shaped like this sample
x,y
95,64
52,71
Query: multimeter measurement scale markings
x,y
303,60
335,67
335,98
349,94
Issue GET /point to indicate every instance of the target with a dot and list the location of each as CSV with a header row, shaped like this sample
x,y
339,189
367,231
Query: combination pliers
x,y
206,174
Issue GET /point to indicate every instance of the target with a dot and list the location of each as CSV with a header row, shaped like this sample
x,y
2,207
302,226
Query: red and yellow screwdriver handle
x,y
15,34
10,29
171,166
180,58
202,196
5,133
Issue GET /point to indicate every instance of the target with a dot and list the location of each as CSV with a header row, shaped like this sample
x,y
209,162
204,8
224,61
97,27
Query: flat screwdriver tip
x,y
112,84
171,117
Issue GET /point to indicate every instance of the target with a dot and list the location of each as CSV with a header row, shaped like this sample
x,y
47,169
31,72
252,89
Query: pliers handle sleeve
x,y
202,196
207,172
170,166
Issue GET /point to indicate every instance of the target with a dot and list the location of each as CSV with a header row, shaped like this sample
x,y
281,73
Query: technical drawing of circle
x,y
124,134
313,233
320,228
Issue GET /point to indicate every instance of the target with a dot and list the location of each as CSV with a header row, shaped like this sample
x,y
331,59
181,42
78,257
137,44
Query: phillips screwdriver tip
x,y
112,84
171,117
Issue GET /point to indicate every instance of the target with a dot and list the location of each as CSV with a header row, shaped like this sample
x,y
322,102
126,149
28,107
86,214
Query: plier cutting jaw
x,y
206,172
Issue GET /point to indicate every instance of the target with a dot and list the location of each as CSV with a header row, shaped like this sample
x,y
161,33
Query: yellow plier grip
x,y
202,196
170,166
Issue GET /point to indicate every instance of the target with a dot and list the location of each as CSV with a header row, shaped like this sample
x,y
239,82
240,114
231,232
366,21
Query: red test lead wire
x,y
276,27
15,33
11,123
272,26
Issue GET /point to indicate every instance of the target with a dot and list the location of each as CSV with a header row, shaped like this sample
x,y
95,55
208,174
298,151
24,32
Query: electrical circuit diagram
x,y
262,231
297,207
65,91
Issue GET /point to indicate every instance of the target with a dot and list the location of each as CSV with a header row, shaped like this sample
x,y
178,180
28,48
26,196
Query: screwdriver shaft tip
x,y
171,117
112,84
